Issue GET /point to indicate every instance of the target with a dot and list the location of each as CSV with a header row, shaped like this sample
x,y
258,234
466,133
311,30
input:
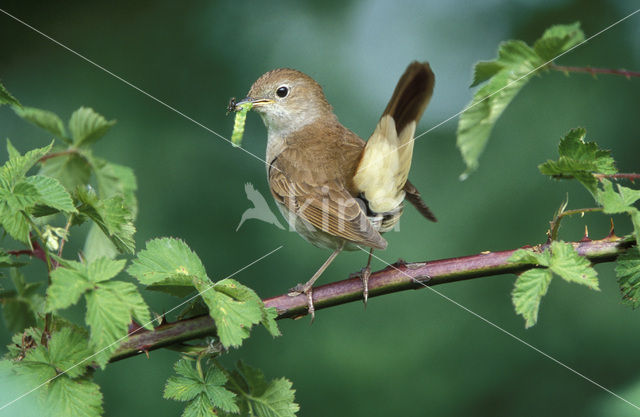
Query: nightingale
x,y
336,190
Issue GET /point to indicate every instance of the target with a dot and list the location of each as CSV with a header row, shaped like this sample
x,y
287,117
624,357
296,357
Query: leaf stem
x,y
594,71
57,154
44,339
628,176
555,223
43,242
66,233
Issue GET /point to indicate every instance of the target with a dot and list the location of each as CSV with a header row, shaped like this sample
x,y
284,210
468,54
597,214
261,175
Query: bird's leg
x,y
364,275
306,288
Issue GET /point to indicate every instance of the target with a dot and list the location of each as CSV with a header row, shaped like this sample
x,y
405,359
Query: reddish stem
x,y
630,176
56,154
594,71
37,251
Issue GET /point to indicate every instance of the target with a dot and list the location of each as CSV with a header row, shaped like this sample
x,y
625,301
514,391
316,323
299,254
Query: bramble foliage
x,y
213,387
169,265
588,164
560,259
45,194
505,76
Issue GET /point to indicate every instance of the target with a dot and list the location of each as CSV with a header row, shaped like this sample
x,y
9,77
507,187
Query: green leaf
x,y
7,261
505,76
111,304
72,170
170,264
114,179
131,297
79,397
19,309
87,126
51,193
67,286
44,119
7,98
108,317
103,269
112,216
16,313
529,288
485,70
274,398
167,261
580,160
18,165
204,391
617,202
558,39
62,396
98,245
234,308
620,202
110,308
528,256
628,274
66,351
180,388
566,263
199,407
13,220
12,386
517,63
269,320
13,152
635,219
560,258
70,281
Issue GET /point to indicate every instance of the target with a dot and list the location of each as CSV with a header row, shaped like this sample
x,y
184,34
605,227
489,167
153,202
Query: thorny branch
x,y
401,276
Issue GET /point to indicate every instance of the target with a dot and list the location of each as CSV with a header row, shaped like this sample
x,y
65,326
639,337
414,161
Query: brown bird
x,y
337,191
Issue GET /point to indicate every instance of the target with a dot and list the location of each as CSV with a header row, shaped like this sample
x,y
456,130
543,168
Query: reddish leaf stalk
x,y
595,71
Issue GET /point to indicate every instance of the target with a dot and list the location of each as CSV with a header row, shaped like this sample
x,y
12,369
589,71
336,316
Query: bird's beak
x,y
256,102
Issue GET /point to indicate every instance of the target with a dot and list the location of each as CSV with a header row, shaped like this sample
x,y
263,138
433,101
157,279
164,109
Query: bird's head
x,y
288,100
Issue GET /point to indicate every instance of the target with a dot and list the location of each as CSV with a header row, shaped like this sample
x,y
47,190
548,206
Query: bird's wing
x,y
328,207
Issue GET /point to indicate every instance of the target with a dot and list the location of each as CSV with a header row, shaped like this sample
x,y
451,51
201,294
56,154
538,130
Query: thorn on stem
x,y
585,238
612,232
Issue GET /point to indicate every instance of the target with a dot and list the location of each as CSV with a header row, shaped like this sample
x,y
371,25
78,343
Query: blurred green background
x,y
411,353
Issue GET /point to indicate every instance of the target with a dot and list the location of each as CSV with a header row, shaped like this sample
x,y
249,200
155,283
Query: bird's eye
x,y
282,91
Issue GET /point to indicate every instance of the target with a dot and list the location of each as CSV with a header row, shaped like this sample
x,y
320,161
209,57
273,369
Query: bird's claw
x,y
364,275
308,291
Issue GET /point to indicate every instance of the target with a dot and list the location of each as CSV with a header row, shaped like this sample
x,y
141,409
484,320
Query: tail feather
x,y
384,166
412,94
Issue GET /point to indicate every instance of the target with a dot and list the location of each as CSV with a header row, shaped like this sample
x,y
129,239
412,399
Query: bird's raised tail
x,y
382,173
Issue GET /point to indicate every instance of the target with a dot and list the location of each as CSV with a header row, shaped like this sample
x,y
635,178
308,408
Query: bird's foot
x,y
364,275
307,290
